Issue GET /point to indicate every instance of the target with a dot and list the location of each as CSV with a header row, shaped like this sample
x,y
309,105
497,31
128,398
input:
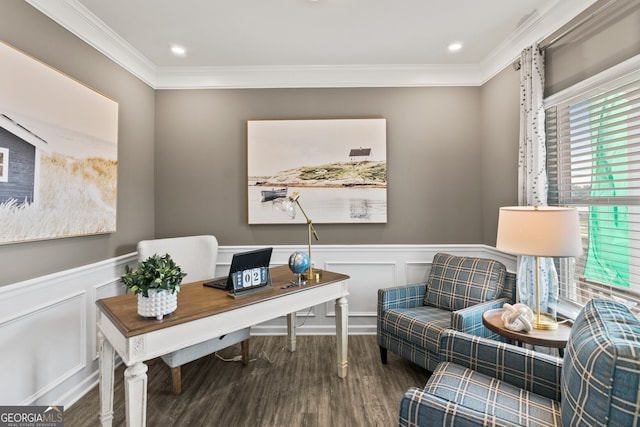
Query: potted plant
x,y
156,281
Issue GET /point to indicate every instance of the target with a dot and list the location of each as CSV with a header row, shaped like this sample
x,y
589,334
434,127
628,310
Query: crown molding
x,y
74,17
316,76
78,20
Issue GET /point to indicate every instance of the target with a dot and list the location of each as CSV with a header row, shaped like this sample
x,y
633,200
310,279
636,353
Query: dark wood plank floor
x,y
277,388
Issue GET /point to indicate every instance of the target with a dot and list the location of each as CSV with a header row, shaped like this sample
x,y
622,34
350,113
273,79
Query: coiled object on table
x,y
517,317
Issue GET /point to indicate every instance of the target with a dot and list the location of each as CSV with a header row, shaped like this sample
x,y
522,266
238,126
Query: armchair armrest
x,y
523,368
401,297
419,408
469,320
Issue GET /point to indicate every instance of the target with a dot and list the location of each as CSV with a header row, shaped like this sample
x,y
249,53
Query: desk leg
x,y
342,329
291,331
106,355
135,394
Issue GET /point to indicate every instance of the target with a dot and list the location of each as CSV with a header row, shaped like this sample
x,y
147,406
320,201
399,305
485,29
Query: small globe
x,y
299,262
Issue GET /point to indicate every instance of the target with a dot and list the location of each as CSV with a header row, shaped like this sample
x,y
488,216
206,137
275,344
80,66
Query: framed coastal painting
x,y
337,166
58,153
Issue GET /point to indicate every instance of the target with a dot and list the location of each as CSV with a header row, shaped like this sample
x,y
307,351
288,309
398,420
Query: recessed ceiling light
x,y
455,46
178,50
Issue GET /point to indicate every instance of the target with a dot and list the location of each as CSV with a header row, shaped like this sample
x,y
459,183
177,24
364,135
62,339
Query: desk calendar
x,y
251,279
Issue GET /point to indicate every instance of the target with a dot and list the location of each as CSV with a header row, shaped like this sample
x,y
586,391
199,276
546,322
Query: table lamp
x,y
540,232
289,207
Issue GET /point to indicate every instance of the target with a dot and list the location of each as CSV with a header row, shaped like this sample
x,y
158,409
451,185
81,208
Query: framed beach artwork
x,y
58,153
338,166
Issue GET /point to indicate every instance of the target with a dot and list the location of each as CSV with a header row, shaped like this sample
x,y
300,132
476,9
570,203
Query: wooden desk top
x,y
196,301
558,338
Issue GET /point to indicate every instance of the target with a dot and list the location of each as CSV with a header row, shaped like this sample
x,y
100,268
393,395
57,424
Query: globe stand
x,y
299,281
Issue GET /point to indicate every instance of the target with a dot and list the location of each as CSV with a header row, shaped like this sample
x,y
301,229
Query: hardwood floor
x,y
277,388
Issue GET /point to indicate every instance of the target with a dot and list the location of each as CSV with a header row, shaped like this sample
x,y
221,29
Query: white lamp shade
x,y
545,231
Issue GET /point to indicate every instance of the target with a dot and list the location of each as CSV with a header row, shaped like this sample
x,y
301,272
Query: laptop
x,y
248,270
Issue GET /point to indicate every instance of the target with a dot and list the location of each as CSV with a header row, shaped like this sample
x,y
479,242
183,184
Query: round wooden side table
x,y
557,338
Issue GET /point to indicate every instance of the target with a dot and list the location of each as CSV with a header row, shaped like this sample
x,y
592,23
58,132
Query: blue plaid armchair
x,y
412,318
483,382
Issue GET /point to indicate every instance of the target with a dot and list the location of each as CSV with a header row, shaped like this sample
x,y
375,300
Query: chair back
x,y
196,255
458,282
601,369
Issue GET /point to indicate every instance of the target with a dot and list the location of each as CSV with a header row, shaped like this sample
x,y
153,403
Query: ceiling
x,y
311,43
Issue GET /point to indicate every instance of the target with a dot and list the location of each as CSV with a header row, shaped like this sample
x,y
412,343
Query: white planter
x,y
157,304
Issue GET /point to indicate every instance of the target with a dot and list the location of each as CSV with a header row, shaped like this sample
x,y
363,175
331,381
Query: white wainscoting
x,y
370,267
47,324
48,333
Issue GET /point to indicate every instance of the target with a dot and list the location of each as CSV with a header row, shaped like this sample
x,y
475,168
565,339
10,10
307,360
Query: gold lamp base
x,y
545,322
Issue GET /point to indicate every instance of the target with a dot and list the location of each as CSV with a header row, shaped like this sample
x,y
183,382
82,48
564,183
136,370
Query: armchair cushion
x,y
457,282
421,326
418,408
473,390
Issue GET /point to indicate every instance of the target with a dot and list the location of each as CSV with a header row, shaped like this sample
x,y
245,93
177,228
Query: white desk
x,y
203,313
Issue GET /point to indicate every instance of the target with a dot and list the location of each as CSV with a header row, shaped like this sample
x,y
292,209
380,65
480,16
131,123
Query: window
x,y
4,164
593,163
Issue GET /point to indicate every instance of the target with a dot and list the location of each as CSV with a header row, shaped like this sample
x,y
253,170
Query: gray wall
x,y
28,30
435,178
500,116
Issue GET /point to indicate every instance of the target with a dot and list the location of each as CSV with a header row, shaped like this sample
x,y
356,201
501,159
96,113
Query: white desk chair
x,y
197,256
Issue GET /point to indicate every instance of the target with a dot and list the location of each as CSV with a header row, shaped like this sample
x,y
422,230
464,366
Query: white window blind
x,y
593,163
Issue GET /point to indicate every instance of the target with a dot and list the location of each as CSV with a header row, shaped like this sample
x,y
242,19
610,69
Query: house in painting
x,y
359,154
19,162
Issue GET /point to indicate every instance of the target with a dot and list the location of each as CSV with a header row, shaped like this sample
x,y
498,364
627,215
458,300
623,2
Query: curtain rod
x,y
579,20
